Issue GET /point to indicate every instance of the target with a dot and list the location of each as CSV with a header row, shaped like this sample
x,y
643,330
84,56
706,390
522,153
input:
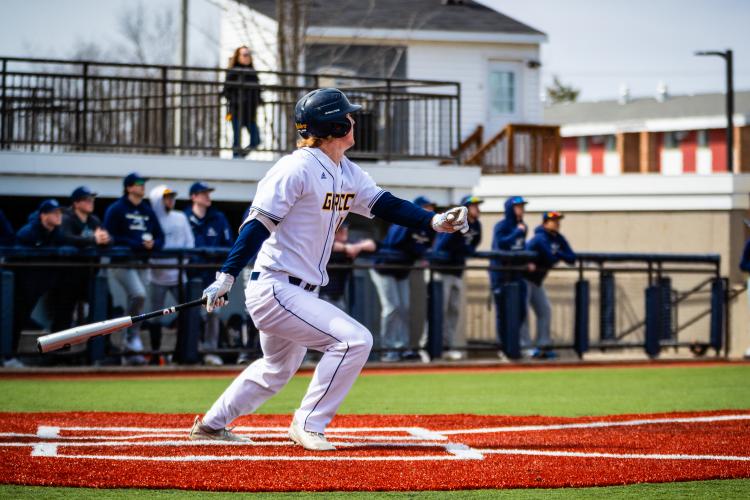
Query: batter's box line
x,y
417,437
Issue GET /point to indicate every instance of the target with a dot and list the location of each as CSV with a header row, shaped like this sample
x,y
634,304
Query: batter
x,y
299,204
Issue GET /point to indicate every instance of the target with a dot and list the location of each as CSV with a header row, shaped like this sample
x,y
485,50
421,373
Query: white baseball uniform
x,y
308,197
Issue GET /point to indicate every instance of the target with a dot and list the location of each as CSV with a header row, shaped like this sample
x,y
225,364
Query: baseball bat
x,y
80,334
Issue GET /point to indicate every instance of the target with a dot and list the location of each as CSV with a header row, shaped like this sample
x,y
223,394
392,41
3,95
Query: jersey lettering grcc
x,y
338,201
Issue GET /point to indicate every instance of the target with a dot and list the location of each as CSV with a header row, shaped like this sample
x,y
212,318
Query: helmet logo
x,y
332,111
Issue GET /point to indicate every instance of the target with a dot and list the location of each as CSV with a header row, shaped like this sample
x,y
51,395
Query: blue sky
x,y
597,45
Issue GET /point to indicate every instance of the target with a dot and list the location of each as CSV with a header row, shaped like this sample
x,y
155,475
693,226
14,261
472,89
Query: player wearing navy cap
x,y
210,229
132,223
402,246
42,230
451,251
299,204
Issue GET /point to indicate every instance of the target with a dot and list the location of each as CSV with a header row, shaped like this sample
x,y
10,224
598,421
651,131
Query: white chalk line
x,y
595,425
250,435
123,444
647,456
239,428
253,458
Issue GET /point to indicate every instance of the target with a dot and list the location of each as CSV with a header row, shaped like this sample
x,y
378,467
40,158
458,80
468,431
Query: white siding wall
x,y
583,164
467,63
671,162
612,164
703,160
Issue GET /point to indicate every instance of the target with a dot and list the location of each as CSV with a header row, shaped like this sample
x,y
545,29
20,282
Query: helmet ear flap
x,y
340,129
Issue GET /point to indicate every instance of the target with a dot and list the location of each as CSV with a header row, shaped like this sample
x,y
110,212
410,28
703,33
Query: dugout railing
x,y
53,105
683,302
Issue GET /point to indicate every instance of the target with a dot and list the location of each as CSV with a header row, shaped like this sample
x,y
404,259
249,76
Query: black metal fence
x,y
58,105
661,325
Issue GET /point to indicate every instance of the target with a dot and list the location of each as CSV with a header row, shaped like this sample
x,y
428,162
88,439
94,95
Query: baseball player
x,y
298,206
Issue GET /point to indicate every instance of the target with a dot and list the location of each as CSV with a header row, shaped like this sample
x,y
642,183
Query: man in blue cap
x,y
42,230
80,227
131,222
509,234
402,246
451,251
210,229
551,247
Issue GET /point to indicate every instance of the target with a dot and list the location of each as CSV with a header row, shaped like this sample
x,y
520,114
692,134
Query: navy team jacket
x,y
212,230
403,245
507,236
551,248
451,249
128,223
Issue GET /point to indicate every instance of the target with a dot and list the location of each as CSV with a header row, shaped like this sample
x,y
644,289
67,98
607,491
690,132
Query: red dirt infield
x,y
375,452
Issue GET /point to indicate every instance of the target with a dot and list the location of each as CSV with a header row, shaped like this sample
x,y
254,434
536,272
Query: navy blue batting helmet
x,y
322,113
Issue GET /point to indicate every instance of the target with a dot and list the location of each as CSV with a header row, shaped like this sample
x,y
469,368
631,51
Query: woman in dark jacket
x,y
242,92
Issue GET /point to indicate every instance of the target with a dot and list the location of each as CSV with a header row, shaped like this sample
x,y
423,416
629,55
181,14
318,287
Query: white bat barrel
x,y
81,334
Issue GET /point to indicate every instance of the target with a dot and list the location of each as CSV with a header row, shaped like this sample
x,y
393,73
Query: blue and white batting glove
x,y
455,219
216,291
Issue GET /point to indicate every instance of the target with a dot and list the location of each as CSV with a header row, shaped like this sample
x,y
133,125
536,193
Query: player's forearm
x,y
402,212
246,247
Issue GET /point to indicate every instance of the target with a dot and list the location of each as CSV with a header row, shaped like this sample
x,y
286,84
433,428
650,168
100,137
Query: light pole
x,y
727,56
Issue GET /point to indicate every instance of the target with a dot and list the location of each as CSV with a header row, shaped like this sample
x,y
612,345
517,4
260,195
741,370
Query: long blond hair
x,y
312,142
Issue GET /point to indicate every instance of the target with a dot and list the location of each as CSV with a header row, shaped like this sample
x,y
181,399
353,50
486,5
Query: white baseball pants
x,y
292,320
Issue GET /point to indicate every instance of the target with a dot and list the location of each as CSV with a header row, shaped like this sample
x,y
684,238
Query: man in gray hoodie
x,y
177,234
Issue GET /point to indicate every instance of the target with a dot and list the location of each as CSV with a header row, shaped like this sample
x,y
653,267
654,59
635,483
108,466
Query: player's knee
x,y
360,341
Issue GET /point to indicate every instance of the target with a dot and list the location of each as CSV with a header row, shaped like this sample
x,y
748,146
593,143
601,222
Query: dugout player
x,y
31,283
80,228
451,250
299,204
210,229
343,253
132,223
401,246
551,247
509,234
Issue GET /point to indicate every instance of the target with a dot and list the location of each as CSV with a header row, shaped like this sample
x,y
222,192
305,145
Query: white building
x,y
494,57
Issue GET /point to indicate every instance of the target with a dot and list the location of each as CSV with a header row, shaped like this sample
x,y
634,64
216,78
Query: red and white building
x,y
670,135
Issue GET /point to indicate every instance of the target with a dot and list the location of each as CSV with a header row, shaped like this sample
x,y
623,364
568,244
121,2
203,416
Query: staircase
x,y
516,149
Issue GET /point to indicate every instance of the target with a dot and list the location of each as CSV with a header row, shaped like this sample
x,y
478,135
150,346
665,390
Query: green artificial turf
x,y
565,392
735,488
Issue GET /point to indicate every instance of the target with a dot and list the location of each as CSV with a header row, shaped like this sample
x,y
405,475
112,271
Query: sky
x,y
595,45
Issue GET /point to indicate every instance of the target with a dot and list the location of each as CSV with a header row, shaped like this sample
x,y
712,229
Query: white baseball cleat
x,y
315,441
200,432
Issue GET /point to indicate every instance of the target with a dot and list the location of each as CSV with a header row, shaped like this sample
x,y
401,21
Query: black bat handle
x,y
168,310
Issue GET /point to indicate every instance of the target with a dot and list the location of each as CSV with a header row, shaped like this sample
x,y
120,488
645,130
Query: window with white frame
x,y
503,92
